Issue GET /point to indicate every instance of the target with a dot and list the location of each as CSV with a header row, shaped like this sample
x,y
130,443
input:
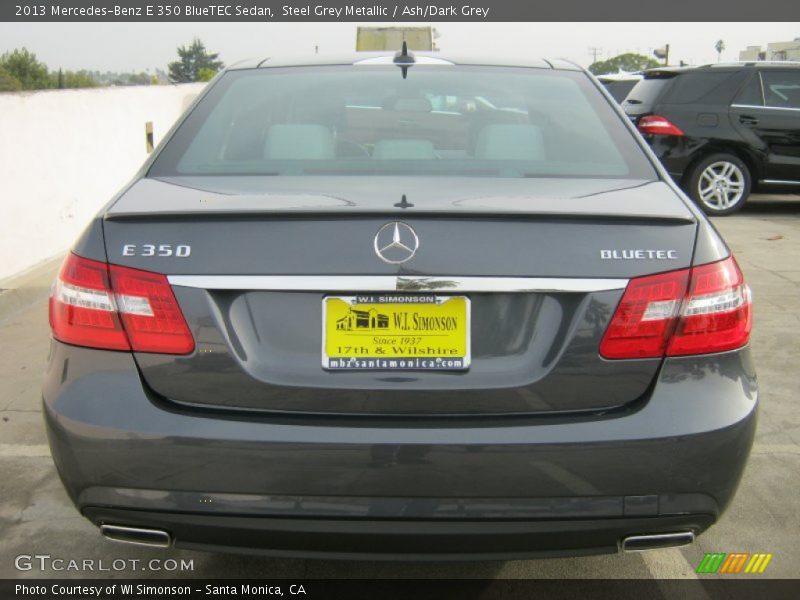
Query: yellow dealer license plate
x,y
394,332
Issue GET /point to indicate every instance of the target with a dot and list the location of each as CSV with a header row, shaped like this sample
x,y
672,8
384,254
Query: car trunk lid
x,y
542,263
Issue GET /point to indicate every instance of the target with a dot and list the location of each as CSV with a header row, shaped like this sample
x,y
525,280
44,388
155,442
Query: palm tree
x,y
719,46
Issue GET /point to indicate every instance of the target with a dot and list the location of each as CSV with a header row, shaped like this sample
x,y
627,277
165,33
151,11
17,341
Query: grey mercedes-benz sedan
x,y
401,307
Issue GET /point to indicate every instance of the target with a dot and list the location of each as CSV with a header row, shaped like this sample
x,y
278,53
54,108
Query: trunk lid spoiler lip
x,y
158,199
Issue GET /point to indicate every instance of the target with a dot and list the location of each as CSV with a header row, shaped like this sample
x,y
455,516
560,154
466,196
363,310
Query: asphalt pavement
x,y
37,518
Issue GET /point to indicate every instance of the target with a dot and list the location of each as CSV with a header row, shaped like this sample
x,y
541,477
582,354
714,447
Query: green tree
x,y
72,79
79,79
141,78
206,74
193,62
23,66
8,83
629,62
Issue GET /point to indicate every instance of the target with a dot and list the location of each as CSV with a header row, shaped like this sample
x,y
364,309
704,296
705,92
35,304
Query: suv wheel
x,y
719,184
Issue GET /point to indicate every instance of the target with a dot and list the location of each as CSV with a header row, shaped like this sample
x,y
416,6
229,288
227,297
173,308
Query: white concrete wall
x,y
64,153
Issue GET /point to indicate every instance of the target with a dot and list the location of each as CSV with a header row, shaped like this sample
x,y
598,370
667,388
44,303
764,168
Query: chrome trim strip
x,y
391,283
765,107
780,181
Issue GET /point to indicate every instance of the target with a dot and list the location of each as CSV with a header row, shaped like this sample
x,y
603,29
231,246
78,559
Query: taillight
x,y
658,125
645,317
692,311
116,308
150,313
82,307
716,314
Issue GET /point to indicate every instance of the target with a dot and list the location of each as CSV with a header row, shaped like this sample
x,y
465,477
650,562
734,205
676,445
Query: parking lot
x,y
37,518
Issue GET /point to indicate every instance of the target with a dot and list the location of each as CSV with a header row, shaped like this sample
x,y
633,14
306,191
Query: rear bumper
x,y
386,488
375,539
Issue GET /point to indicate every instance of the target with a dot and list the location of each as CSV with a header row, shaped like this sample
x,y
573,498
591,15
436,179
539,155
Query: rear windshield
x,y
620,89
439,120
647,91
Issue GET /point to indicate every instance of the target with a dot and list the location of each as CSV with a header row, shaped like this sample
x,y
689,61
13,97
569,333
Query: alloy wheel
x,y
721,185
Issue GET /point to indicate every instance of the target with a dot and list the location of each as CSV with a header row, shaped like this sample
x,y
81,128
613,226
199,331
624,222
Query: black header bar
x,y
388,11
391,589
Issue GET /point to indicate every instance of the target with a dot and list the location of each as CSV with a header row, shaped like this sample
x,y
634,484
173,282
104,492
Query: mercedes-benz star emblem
x,y
396,243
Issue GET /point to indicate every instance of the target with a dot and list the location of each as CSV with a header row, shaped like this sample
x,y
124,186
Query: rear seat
x,y
315,142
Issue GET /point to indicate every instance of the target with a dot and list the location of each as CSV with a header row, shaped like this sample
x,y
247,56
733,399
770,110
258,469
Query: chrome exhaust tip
x,y
654,541
139,536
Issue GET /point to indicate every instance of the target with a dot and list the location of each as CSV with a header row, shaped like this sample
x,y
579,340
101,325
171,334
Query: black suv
x,y
723,130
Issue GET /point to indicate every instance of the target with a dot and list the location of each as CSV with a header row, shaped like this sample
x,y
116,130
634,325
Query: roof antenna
x,y
404,59
403,203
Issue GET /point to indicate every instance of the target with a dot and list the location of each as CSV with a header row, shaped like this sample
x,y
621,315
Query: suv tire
x,y
719,184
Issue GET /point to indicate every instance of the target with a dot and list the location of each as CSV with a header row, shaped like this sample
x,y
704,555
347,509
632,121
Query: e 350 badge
x,y
162,250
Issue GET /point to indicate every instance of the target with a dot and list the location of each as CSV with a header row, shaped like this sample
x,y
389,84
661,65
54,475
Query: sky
x,y
147,46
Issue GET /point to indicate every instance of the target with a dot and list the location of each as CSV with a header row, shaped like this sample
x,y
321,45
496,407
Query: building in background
x,y
774,51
